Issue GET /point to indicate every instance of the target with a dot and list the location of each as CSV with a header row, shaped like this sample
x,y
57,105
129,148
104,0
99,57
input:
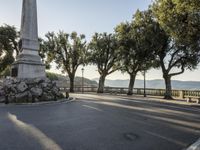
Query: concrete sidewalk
x,y
141,97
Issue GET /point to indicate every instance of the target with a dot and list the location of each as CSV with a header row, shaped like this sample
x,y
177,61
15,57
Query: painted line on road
x,y
166,138
138,100
169,120
91,107
161,103
46,142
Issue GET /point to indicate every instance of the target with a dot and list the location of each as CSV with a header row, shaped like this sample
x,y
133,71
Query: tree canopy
x,y
68,51
180,21
136,45
8,45
104,53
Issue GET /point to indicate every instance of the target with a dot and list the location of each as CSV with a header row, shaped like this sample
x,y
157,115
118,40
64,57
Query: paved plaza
x,y
99,122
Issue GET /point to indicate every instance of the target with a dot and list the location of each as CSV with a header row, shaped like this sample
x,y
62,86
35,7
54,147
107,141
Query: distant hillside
x,y
63,81
158,84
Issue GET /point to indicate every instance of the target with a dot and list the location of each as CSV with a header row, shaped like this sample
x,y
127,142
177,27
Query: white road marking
x,y
166,138
138,100
46,142
92,107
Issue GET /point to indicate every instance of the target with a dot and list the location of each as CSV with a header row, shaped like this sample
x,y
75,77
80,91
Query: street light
x,y
145,83
82,80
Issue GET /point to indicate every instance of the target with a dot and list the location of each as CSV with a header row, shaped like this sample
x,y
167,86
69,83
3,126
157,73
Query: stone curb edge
x,y
195,146
71,99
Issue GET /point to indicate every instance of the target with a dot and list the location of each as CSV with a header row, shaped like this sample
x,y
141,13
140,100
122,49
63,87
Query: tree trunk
x,y
168,90
131,84
71,78
101,84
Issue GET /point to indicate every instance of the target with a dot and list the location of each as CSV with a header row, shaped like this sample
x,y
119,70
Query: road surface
x,y
99,122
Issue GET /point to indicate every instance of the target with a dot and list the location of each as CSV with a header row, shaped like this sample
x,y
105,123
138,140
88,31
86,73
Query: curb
x,y
161,100
195,146
70,99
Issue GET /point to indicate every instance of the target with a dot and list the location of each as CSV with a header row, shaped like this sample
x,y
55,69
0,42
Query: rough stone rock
x,y
44,84
39,80
30,82
55,90
7,83
47,80
47,97
23,97
22,86
36,91
47,89
13,89
30,90
15,81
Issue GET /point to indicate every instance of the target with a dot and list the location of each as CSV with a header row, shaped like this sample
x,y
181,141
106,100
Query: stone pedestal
x,y
28,64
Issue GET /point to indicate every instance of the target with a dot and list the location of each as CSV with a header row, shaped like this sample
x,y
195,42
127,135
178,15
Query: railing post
x,y
181,94
121,90
138,91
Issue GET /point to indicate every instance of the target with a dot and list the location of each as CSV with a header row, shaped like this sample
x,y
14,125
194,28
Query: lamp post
x,y
145,83
82,79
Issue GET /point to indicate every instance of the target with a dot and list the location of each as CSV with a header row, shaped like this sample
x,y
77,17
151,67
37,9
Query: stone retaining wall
x,y
29,90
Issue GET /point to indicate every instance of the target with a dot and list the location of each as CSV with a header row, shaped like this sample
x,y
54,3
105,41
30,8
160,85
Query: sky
x,y
85,17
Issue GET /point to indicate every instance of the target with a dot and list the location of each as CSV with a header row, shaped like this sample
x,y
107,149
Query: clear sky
x,y
86,17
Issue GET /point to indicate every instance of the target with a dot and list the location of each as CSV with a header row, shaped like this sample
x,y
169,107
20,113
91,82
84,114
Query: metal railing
x,y
188,93
138,91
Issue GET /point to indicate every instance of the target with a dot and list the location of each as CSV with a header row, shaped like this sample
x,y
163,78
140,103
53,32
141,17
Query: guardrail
x,y
138,91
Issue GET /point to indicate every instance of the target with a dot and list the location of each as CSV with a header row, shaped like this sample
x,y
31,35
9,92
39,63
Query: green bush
x,y
6,72
52,76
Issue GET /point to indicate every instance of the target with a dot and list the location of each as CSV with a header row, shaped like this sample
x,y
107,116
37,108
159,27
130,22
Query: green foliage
x,y
180,18
67,51
104,53
136,42
8,45
43,52
6,72
181,21
52,76
89,82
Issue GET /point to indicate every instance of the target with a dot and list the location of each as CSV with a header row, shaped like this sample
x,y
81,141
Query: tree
x,y
9,47
67,51
9,38
180,20
104,53
43,52
136,45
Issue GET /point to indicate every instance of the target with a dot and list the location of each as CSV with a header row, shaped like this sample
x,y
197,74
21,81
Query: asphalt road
x,y
99,123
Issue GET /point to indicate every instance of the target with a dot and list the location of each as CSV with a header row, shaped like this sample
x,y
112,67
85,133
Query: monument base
x,y
28,67
29,90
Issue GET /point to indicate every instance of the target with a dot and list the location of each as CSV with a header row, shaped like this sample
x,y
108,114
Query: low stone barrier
x,y
29,90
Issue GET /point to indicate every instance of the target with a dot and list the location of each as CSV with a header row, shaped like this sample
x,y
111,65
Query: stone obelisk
x,y
28,63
